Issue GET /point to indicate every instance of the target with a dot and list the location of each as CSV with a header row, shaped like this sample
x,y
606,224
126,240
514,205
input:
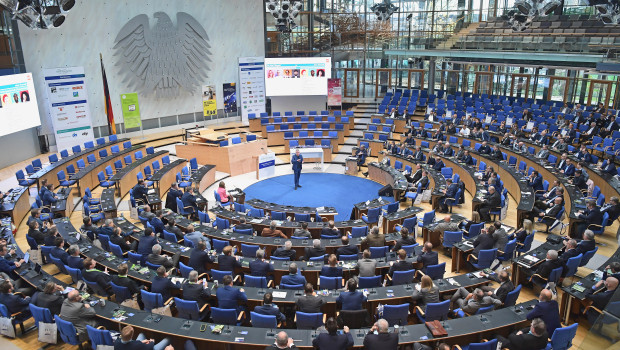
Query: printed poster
x,y
230,97
209,101
252,86
334,92
131,110
68,106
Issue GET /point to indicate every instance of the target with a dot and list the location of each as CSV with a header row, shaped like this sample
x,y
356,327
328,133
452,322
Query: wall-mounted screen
x,y
18,104
297,76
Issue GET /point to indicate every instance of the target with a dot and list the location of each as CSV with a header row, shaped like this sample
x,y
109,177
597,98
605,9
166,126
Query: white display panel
x,y
297,76
18,104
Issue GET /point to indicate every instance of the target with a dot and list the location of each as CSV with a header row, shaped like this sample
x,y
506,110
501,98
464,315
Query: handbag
x,y
133,213
48,333
436,328
164,310
131,303
105,347
6,327
35,256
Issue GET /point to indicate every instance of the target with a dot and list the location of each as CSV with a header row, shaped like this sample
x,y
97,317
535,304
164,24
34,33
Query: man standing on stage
x,y
297,160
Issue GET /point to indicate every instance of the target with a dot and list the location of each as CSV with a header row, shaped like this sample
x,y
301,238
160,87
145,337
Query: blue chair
x,y
409,249
257,213
572,265
40,314
396,314
359,231
526,246
189,310
76,274
554,277
226,316
484,260
410,223
32,243
562,338
309,320
151,265
116,250
489,345
67,332
263,321
276,215
218,275
373,216
302,217
474,230
152,300
391,208
378,252
291,286
351,257
450,202
188,243
37,165
203,217
218,245
183,210
170,237
222,224
509,251
369,282
103,182
330,282
185,270
587,256
249,250
136,258
436,272
62,179
511,297
99,337
427,219
401,277
482,310
21,179
281,258
434,311
452,237
257,282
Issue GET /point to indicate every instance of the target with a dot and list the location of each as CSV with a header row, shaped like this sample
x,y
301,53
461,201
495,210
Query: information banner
x,y
266,165
131,110
252,91
334,92
230,97
68,106
209,101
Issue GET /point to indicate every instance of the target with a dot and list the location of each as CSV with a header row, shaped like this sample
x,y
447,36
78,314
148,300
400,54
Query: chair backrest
x,y
572,265
511,297
437,311
330,282
218,275
263,321
302,217
436,271
555,274
452,237
309,320
489,345
527,243
509,250
249,250
222,223
403,277
187,309
485,309
428,218
67,331
370,282
291,286
218,245
409,249
99,336
378,252
255,282
486,257
396,314
348,257
151,300
40,314
562,338
475,229
587,256
224,316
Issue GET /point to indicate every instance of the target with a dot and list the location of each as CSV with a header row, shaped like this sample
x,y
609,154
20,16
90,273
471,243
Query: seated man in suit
x,y
14,302
146,242
310,302
140,192
449,192
269,308
541,272
227,261
74,260
599,296
612,270
543,153
125,342
315,251
404,240
333,339
229,297
484,148
351,299
147,213
199,258
283,342
587,242
172,228
124,281
548,215
58,251
361,155
293,278
347,247
261,268
548,310
536,181
438,164
331,229
570,251
158,223
193,290
381,340
50,298
471,302
91,274
272,231
491,203
302,231
401,265
534,337
196,236
125,244
505,285
157,258
591,216
484,241
423,181
163,285
579,180
286,251
612,209
428,256
375,239
189,202
331,269
49,197
173,194
79,313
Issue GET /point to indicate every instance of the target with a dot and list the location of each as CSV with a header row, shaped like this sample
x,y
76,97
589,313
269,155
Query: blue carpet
x,y
325,189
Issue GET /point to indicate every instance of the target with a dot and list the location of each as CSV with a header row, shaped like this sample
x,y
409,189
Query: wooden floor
x,y
30,342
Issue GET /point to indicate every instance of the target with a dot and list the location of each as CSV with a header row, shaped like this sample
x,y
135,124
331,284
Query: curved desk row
x,y
260,124
325,212
126,178
16,204
167,174
204,177
387,175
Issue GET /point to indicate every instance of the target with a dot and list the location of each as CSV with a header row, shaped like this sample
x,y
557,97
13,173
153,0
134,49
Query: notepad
x,y
279,294
531,259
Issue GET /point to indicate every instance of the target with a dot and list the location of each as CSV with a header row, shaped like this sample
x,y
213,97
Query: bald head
x,y
545,295
382,326
74,295
611,283
282,337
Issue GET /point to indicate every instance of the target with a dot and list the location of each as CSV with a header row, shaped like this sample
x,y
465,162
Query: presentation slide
x,y
297,76
18,104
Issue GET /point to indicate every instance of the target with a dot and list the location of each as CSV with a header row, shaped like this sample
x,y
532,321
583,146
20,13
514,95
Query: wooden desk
x,y
233,159
204,177
126,179
276,138
18,207
167,175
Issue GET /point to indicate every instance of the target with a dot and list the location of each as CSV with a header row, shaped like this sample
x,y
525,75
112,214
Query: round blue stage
x,y
318,189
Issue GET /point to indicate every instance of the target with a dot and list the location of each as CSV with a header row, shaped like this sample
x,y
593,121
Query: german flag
x,y
108,102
